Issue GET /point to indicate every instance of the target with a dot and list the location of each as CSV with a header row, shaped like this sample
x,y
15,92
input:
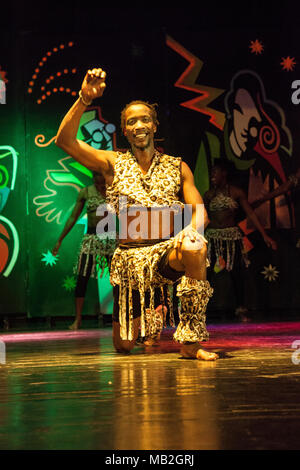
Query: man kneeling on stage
x,y
144,181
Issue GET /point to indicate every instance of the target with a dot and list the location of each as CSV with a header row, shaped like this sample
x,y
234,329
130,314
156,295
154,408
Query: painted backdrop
x,y
220,94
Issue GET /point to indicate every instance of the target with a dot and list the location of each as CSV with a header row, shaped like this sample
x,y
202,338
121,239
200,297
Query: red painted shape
x,y
3,254
187,81
4,231
247,244
273,159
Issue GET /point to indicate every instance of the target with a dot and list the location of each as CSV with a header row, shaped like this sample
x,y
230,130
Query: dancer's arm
x,y
242,199
81,199
293,181
92,87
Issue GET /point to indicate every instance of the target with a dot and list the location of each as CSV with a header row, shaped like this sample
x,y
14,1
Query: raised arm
x,y
71,220
92,87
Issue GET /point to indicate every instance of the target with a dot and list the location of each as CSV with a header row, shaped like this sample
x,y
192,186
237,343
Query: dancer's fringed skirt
x,y
137,268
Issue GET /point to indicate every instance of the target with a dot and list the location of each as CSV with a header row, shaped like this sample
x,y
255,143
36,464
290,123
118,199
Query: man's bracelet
x,y
83,101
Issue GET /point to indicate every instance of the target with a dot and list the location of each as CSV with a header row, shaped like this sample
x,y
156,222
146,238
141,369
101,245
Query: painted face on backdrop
x,y
139,127
246,122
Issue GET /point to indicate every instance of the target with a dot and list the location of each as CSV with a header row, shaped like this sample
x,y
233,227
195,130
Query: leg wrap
x,y
154,323
194,296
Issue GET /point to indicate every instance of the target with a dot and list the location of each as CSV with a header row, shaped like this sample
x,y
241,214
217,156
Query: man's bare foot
x,y
206,356
195,352
76,325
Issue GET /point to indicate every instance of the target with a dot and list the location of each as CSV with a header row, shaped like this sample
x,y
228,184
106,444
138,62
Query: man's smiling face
x,y
139,126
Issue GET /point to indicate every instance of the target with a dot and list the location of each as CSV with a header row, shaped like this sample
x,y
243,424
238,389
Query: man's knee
x,y
193,250
121,345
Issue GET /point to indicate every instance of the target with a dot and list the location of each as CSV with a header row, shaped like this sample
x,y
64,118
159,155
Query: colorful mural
x,y
9,243
220,94
96,132
54,204
254,135
249,128
43,87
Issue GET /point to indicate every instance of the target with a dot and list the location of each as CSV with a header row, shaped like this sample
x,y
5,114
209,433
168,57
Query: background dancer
x,y
95,252
225,239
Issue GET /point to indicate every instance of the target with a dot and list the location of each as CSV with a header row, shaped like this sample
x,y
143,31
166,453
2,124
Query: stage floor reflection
x,y
70,390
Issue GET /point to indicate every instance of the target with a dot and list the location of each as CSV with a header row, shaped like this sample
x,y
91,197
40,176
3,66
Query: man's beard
x,y
142,147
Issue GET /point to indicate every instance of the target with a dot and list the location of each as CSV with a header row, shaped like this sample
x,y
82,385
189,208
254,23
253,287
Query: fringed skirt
x,y
137,268
225,242
100,249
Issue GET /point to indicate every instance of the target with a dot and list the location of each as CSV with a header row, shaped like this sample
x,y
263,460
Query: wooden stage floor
x,y
70,390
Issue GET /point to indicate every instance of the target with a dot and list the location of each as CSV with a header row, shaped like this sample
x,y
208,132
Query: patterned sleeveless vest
x,y
159,187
